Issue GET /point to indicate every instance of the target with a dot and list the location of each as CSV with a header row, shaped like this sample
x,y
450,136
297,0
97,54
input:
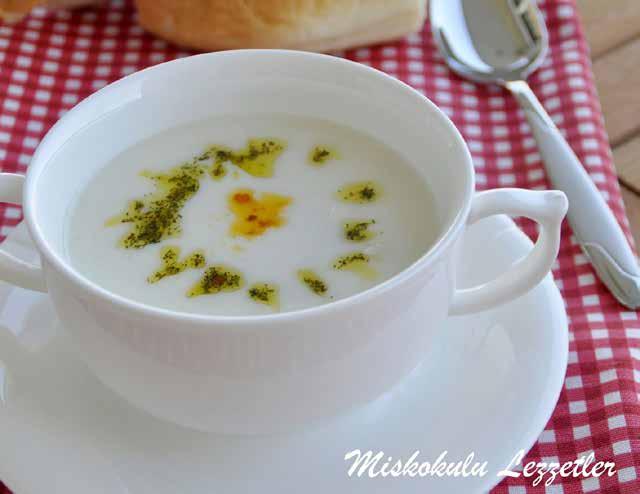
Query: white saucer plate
x,y
488,387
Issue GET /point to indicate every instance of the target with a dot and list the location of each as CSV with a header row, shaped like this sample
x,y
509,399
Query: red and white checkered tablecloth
x,y
50,61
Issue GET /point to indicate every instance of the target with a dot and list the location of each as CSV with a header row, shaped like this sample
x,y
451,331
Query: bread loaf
x,y
318,25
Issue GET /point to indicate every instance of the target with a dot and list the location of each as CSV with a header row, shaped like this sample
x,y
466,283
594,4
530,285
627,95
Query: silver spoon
x,y
502,42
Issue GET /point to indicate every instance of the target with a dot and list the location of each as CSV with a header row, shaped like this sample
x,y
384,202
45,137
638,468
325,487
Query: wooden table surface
x,y
613,31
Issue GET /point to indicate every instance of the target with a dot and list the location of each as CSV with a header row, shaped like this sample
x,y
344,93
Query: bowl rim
x,y
449,231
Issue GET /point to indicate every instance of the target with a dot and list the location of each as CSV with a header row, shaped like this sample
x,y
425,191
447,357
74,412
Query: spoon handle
x,y
593,223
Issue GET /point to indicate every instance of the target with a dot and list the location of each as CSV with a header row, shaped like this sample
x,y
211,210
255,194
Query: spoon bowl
x,y
490,40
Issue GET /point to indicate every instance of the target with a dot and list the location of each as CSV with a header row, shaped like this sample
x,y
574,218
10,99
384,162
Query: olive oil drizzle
x,y
253,216
358,231
319,155
265,293
356,262
257,158
156,217
216,279
171,265
312,281
360,192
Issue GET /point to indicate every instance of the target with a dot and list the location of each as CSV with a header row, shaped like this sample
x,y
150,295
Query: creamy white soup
x,y
251,215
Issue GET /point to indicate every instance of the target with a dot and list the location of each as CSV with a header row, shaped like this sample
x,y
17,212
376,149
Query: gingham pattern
x,y
50,61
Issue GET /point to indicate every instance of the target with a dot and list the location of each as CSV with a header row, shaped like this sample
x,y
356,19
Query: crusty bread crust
x,y
14,10
318,25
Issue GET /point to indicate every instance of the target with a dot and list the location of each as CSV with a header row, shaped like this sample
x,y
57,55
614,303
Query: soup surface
x,y
250,215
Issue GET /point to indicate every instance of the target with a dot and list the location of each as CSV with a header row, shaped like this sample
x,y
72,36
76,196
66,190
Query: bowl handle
x,y
547,208
12,269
